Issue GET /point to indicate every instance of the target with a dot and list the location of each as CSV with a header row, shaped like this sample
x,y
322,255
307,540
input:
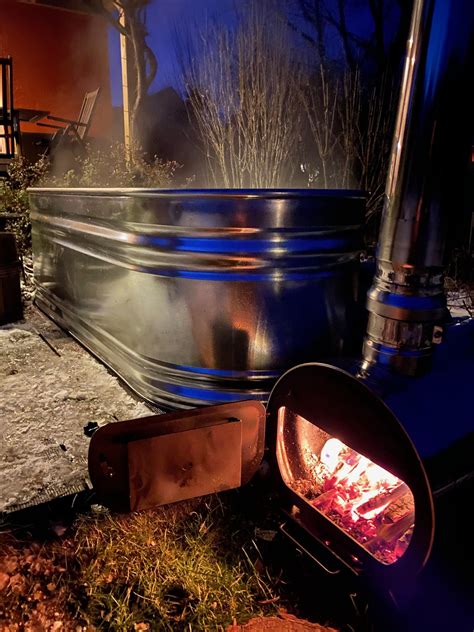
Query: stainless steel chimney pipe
x,y
430,153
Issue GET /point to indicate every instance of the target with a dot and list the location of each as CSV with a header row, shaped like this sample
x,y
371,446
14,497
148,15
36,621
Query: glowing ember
x,y
373,506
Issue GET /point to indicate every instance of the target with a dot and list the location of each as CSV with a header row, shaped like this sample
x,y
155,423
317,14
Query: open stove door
x,y
162,459
348,472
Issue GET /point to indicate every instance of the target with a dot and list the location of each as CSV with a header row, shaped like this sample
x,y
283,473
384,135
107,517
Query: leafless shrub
x,y
375,113
242,95
251,103
320,100
352,129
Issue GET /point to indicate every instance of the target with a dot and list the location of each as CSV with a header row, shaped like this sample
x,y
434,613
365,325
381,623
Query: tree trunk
x,y
133,28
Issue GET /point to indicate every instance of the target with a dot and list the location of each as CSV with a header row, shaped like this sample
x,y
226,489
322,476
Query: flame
x,y
356,494
330,453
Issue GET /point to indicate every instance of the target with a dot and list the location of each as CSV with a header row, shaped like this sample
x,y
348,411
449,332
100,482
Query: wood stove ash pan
x,y
162,459
199,297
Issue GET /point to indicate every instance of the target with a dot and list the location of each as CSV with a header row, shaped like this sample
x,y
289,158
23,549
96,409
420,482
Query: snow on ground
x,y
460,302
45,401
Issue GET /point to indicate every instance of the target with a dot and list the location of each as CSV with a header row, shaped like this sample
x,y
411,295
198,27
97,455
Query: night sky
x,y
162,18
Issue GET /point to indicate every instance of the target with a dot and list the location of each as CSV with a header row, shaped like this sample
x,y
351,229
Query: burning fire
x,y
373,506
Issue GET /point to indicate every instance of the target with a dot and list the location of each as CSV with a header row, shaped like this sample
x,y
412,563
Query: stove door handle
x,y
285,532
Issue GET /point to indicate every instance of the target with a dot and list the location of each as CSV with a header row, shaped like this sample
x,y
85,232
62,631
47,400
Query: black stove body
x,y
360,458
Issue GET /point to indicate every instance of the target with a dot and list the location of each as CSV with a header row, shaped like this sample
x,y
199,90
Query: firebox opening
x,y
364,500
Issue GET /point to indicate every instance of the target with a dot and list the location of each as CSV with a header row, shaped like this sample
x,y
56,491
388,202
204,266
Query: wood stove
x,y
364,460
348,472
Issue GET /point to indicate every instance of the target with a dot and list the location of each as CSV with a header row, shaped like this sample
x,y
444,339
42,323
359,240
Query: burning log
x,y
326,499
399,508
390,534
382,500
367,502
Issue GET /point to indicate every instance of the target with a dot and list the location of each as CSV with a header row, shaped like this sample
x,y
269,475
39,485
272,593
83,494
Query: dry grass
x,y
181,568
193,566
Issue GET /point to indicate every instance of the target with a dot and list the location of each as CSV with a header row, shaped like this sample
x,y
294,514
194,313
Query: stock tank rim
x,y
250,194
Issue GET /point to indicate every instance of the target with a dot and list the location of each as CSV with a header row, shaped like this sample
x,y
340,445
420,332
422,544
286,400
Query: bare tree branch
x,y
312,13
242,87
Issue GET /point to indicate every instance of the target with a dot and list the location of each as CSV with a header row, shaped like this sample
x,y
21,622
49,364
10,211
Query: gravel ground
x,y
47,395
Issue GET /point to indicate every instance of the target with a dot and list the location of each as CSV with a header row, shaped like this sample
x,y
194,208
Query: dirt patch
x,y
33,595
284,622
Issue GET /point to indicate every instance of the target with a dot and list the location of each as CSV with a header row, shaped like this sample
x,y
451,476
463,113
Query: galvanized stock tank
x,y
204,296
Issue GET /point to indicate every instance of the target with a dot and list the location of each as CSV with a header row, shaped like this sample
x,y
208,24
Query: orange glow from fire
x,y
367,479
366,501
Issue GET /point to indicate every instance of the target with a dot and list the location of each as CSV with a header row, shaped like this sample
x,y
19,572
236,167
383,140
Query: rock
x,y
19,334
265,534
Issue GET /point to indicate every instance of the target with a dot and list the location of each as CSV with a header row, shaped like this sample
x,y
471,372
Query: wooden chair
x,y
70,130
